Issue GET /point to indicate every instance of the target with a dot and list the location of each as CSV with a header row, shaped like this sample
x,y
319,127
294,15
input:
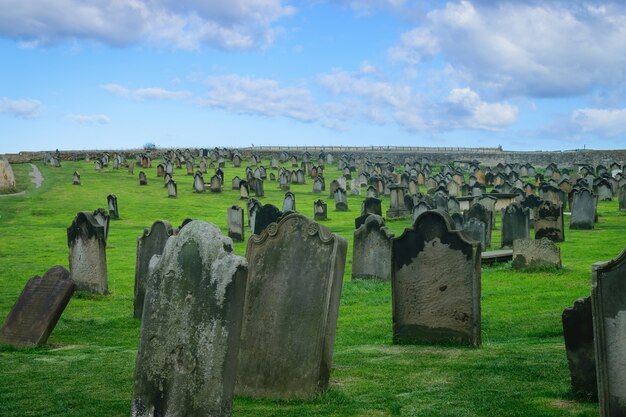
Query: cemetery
x,y
441,282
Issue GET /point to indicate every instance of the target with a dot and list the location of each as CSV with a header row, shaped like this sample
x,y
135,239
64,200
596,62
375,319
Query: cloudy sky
x,y
526,75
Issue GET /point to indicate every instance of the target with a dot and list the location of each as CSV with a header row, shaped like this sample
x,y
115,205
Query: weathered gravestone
x,y
76,178
290,316
608,300
191,326
38,308
549,222
397,208
113,208
475,229
198,182
320,210
172,189
622,197
235,223
435,283
341,200
578,335
266,215
515,224
103,218
86,240
371,253
289,202
215,184
583,209
143,180
149,244
537,253
259,191
7,178
482,213
418,209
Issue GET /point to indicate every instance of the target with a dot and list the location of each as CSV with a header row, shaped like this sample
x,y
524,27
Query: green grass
x,y
87,369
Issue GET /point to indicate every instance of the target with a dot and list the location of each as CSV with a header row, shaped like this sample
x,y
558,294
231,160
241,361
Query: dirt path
x,y
35,176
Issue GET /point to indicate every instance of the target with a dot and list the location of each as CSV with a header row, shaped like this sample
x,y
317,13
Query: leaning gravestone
x,y
536,253
38,309
235,223
371,253
7,178
149,244
76,178
435,283
113,209
608,300
172,189
191,326
578,335
515,224
549,222
290,316
143,180
583,209
86,240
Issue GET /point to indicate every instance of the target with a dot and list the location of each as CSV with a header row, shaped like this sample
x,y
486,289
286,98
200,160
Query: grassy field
x,y
87,368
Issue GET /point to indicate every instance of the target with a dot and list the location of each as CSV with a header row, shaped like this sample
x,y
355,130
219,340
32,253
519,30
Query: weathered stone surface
x,y
435,283
622,197
86,240
143,180
149,244
549,222
608,300
38,308
578,335
76,178
113,208
292,302
485,215
191,326
583,209
537,253
235,223
341,199
397,208
7,178
289,202
515,224
371,253
320,210
475,229
172,189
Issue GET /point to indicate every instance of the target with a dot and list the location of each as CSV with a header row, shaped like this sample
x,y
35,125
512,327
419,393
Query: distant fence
x,y
422,149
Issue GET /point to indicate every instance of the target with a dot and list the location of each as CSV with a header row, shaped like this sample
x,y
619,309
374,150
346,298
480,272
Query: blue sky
x,y
526,75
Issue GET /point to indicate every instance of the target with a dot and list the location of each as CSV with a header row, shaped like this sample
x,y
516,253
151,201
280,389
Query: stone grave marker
x,y
150,243
259,191
235,223
215,184
622,197
549,222
578,335
583,208
103,218
482,213
113,208
198,182
537,253
191,326
435,283
341,200
320,210
476,229
289,202
172,189
86,240
371,254
38,309
7,178
76,178
515,224
419,208
161,170
266,215
608,301
290,315
397,208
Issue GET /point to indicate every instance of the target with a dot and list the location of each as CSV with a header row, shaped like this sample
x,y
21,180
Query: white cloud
x,y
602,122
24,108
262,97
472,112
83,119
540,49
187,24
149,93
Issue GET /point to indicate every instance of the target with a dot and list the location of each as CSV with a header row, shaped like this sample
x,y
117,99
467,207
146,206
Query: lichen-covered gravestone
x,y
7,178
608,300
265,215
235,223
113,208
435,283
476,230
485,215
290,316
583,208
149,244
320,210
515,224
86,239
536,253
549,222
578,335
191,326
371,253
38,308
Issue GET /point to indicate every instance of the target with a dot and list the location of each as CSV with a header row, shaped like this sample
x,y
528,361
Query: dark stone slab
x,y
515,224
549,222
494,256
266,215
236,230
371,253
38,309
86,240
583,208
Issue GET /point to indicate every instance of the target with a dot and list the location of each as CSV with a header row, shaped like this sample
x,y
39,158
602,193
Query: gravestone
x,y
515,224
341,200
372,205
583,208
86,240
608,301
549,222
38,309
76,178
371,254
113,208
537,253
418,209
7,178
131,168
215,184
397,208
172,189
143,180
259,191
235,183
161,170
319,184
622,197
457,218
290,316
483,214
253,206
191,326
578,335
320,210
103,219
97,165
435,283
266,215
289,202
475,229
198,182
150,243
235,223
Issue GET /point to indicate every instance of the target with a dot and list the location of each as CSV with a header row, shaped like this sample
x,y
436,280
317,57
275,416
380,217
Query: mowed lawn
x,y
87,368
